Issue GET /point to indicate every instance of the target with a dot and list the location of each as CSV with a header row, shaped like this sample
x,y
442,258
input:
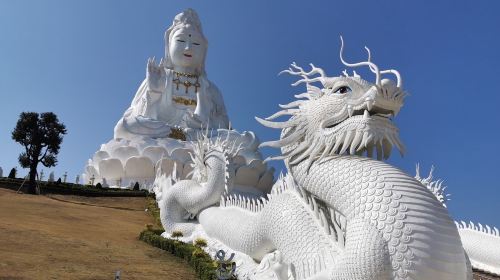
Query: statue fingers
x,y
149,66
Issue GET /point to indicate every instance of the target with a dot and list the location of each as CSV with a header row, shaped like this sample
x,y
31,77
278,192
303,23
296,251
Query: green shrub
x,y
198,253
154,210
136,186
12,173
73,189
200,242
203,265
176,234
98,185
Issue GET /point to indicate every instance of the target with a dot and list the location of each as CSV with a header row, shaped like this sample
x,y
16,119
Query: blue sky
x,y
84,60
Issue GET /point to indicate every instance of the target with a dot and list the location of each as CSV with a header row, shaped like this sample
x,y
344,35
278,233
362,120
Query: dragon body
x,y
482,244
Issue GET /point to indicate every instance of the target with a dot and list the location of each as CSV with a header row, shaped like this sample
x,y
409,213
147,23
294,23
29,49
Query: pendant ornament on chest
x,y
187,80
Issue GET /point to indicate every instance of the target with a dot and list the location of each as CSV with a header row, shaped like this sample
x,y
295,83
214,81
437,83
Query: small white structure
x,y
51,177
92,180
1,172
104,183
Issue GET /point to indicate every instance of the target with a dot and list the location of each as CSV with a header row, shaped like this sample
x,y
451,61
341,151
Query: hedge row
x,y
201,262
71,189
154,210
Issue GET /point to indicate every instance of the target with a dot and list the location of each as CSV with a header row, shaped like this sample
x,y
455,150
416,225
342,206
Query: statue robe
x,y
154,113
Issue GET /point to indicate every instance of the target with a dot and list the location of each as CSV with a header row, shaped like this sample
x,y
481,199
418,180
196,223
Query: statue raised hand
x,y
155,75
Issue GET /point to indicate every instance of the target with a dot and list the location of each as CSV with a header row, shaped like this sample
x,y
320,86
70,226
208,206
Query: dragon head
x,y
345,115
209,149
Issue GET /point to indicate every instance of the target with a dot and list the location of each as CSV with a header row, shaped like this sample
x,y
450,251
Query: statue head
x,y
185,44
345,115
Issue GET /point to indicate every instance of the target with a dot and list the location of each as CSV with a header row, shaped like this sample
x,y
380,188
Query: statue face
x,y
187,48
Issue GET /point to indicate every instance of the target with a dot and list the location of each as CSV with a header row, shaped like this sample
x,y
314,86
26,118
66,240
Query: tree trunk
x,y
32,182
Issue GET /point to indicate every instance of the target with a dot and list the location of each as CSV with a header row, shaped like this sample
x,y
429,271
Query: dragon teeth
x,y
366,115
369,104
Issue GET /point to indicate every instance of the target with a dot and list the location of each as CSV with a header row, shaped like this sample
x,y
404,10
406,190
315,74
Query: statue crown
x,y
188,17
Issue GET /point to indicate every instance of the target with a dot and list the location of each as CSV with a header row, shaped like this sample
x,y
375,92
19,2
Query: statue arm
x,y
143,101
150,90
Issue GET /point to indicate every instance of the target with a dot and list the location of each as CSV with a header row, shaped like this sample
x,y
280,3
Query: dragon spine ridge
x,y
479,228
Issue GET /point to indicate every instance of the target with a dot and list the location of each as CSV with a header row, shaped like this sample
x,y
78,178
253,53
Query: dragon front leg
x,y
365,257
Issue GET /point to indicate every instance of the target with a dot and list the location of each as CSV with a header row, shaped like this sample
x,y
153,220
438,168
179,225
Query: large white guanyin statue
x,y
173,105
176,93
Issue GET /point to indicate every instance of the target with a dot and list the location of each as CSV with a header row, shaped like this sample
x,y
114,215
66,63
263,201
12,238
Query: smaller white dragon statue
x,y
181,200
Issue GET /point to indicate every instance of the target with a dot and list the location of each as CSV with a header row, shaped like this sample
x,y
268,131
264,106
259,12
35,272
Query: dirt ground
x,y
72,237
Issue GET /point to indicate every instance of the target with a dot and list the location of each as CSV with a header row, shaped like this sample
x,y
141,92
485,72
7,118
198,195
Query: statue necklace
x,y
186,80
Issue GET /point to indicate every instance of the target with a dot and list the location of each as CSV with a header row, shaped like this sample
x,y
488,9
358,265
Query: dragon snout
x,y
386,99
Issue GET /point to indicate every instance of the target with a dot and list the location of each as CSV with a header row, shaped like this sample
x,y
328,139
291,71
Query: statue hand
x,y
155,75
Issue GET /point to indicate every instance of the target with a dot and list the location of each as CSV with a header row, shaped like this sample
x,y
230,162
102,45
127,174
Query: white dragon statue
x,y
337,214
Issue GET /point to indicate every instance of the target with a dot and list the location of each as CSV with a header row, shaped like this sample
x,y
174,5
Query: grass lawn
x,y
73,237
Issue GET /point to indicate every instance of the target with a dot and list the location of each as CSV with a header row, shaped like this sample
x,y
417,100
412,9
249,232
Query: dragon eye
x,y
343,89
